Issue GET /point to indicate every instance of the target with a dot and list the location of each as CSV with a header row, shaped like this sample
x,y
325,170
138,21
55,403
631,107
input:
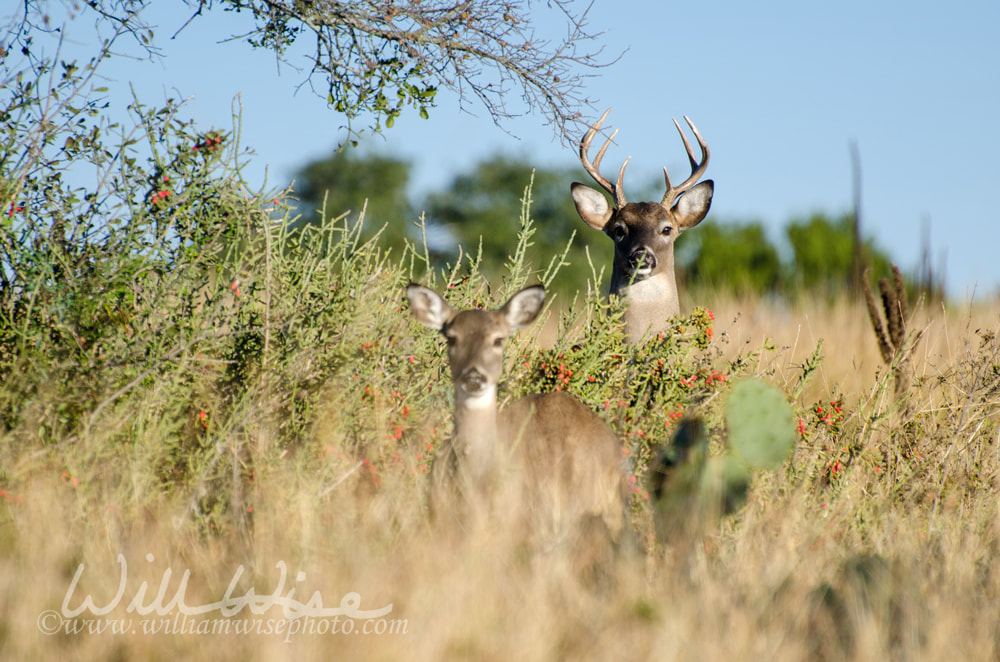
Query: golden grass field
x,y
898,560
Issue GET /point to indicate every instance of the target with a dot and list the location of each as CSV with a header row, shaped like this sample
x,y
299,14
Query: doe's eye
x,y
666,230
498,341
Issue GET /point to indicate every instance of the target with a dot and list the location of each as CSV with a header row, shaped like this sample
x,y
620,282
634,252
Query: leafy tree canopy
x,y
487,203
348,180
822,251
732,257
483,205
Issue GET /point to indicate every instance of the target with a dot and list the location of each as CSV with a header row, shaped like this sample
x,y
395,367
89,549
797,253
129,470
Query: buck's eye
x,y
451,340
498,341
618,232
666,230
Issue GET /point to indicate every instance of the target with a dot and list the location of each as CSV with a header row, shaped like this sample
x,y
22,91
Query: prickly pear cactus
x,y
692,490
761,425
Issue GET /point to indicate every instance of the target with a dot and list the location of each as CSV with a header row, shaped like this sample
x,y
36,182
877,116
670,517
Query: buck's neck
x,y
649,303
475,438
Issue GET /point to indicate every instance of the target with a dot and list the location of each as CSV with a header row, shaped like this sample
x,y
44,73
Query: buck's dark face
x,y
643,233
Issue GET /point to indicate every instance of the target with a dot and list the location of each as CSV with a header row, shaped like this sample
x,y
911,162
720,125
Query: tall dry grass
x,y
895,559
196,399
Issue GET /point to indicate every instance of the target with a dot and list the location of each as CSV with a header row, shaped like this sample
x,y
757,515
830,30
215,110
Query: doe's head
x,y
476,338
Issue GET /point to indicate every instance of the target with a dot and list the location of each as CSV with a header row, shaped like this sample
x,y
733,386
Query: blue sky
x,y
779,90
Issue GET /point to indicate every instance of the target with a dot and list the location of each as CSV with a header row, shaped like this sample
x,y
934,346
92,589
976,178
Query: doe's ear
x,y
524,307
591,205
428,306
692,206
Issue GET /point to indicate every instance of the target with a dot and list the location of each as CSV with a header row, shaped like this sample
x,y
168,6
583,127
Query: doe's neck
x,y
475,438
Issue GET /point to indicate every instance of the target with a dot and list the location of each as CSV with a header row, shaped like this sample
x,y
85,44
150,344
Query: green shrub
x,y
166,320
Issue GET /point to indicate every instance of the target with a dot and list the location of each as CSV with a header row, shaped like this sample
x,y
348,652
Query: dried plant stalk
x,y
891,336
873,314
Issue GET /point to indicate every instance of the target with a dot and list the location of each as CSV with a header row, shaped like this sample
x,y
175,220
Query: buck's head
x,y
643,232
476,338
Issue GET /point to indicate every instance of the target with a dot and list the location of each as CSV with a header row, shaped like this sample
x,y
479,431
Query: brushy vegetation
x,y
191,384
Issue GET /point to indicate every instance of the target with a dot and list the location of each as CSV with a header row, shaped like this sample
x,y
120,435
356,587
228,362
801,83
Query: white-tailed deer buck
x,y
553,460
644,232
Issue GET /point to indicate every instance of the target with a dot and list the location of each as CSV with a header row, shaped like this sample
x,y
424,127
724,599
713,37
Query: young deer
x,y
644,233
548,450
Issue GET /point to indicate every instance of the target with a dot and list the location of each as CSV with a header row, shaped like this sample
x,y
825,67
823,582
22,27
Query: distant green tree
x,y
738,258
483,206
822,250
486,202
348,180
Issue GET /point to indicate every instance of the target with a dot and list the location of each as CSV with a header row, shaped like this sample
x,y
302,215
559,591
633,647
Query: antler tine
x,y
697,169
617,191
687,146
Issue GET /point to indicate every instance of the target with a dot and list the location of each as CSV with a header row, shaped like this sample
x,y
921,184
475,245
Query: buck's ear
x,y
591,205
429,307
523,307
691,207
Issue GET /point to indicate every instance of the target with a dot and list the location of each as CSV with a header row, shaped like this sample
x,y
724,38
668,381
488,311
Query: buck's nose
x,y
642,259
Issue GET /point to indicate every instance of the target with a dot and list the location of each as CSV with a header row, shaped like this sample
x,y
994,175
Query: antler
x,y
697,169
617,191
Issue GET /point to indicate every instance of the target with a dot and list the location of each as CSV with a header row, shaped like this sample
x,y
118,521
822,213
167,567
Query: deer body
x,y
644,233
546,456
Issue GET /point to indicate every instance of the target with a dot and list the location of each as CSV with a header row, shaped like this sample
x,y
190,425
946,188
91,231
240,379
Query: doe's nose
x,y
473,381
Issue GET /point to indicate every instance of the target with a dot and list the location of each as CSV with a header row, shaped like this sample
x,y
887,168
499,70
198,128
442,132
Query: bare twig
x,y
332,487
